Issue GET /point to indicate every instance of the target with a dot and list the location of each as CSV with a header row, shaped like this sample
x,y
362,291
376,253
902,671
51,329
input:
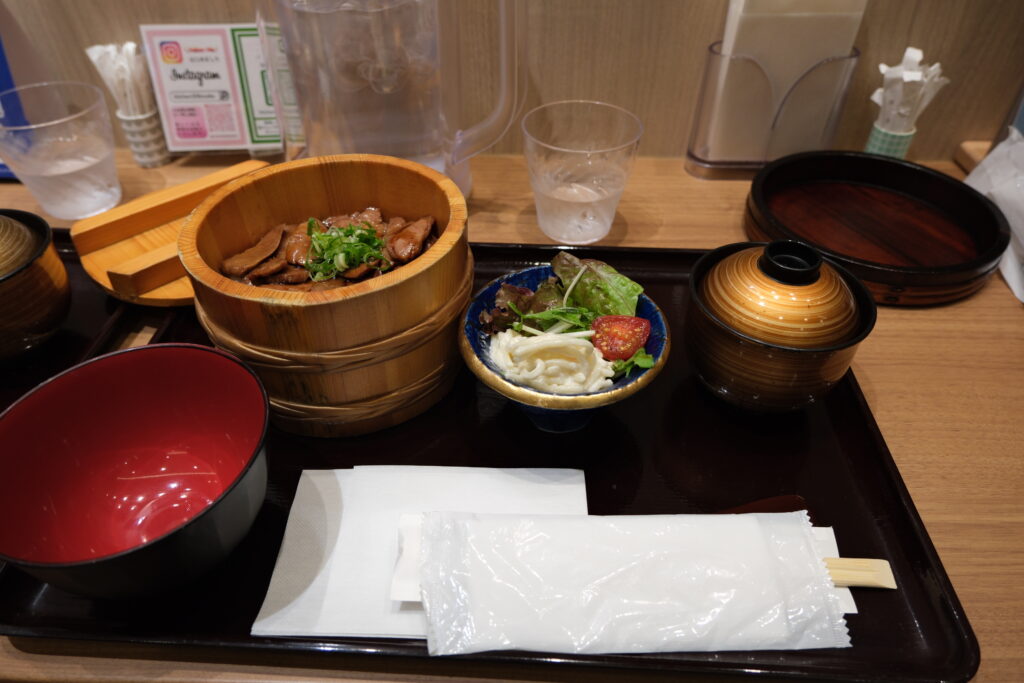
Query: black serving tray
x,y
674,448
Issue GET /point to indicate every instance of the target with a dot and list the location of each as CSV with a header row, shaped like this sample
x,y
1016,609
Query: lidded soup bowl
x,y
34,291
773,326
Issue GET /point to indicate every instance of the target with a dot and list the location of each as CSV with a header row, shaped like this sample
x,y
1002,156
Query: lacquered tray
x,y
673,449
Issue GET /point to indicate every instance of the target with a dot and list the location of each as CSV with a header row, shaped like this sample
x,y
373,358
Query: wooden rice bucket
x,y
343,361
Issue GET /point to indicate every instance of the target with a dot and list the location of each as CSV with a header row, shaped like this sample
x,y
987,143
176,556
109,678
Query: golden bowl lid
x,y
783,293
18,244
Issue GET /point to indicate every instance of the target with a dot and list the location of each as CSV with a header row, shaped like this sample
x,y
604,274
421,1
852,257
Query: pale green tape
x,y
889,144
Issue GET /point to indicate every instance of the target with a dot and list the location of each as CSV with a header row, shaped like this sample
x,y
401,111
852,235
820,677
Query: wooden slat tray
x,y
132,250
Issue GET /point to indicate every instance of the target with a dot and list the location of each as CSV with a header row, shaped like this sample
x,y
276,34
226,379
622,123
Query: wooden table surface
x,y
945,384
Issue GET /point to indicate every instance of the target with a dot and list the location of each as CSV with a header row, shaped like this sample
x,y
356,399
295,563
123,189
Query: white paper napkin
x,y
658,583
334,569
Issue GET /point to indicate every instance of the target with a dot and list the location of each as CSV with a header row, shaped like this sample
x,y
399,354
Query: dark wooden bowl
x,y
914,236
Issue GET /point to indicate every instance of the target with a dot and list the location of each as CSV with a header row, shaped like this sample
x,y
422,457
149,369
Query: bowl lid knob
x,y
790,262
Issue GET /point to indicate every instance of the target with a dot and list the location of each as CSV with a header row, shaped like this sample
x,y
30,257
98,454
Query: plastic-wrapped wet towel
x,y
657,583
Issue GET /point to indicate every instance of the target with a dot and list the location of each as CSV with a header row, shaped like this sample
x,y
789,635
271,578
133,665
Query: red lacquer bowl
x,y
133,472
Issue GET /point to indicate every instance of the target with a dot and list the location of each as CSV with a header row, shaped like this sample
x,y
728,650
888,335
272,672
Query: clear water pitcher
x,y
381,77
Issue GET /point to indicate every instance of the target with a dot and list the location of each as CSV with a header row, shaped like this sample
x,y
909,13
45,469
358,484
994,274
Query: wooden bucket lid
x,y
131,251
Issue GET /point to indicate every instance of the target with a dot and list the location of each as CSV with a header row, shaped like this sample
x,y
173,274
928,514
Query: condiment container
x,y
772,327
34,291
354,359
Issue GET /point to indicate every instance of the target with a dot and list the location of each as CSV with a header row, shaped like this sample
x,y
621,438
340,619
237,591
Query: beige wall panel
x,y
645,55
980,44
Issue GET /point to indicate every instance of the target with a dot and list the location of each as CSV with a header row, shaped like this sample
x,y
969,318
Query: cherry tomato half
x,y
618,337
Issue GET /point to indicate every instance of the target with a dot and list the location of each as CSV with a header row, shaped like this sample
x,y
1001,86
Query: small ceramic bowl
x,y
552,412
772,327
134,472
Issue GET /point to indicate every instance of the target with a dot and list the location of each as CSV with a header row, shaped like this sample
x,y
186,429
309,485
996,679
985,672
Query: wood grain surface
x,y
324,375
645,55
945,384
132,250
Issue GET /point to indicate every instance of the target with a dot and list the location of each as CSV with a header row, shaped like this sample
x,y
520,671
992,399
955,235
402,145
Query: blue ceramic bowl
x,y
555,412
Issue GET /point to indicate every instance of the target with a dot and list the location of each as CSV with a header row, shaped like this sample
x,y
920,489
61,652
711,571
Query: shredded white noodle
x,y
556,363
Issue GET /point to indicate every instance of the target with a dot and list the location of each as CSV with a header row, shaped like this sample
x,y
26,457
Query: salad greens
x,y
582,291
598,286
640,359
573,318
340,248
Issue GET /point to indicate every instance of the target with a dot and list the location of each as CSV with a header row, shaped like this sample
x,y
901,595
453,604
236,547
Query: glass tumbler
x,y
579,154
57,139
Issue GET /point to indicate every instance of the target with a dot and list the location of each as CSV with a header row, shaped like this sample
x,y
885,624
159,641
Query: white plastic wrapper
x,y
660,583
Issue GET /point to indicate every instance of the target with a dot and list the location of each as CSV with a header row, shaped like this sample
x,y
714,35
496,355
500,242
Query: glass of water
x,y
579,154
58,141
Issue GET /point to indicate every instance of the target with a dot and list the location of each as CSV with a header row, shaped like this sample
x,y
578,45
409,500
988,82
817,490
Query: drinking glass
x,y
57,139
579,154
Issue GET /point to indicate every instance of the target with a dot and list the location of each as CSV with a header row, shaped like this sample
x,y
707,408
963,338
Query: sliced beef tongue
x,y
405,242
395,224
291,275
356,272
278,259
370,215
295,245
239,264
266,268
337,221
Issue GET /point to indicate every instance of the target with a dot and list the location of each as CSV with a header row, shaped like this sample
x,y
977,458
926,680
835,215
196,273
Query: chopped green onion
x,y
340,248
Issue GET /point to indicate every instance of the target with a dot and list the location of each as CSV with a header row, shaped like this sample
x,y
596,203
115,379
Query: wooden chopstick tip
x,y
859,572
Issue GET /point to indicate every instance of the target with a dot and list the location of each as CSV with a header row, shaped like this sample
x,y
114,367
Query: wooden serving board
x,y
132,250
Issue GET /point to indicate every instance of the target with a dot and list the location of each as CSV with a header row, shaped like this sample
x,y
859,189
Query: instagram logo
x,y
170,52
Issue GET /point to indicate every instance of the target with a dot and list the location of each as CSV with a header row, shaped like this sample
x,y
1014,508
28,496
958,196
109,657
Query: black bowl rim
x,y
860,291
34,223
251,459
981,266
